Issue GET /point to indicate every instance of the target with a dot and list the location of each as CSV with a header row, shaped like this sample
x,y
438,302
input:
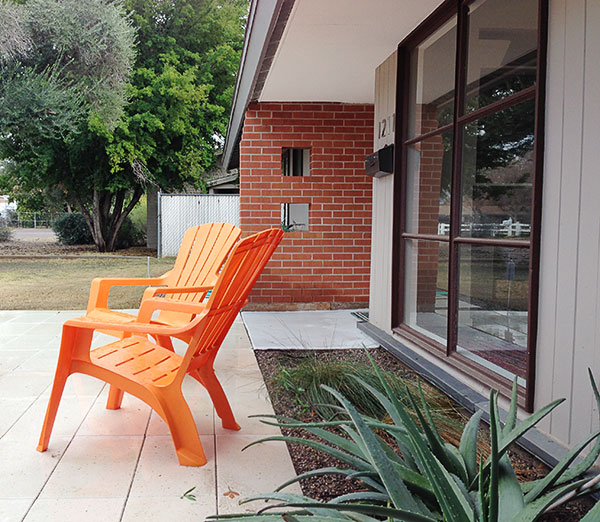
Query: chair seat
x,y
139,360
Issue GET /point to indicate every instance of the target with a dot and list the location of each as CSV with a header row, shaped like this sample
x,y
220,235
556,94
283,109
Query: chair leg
x,y
205,375
73,341
57,390
177,415
115,397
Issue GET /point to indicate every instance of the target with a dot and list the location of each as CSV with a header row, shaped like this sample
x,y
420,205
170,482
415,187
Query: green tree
x,y
179,98
168,134
181,89
63,65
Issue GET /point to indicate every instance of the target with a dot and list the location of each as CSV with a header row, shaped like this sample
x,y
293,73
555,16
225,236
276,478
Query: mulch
x,y
305,459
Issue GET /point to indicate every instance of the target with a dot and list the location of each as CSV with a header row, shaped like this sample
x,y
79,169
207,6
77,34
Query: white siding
x,y
569,322
380,304
570,259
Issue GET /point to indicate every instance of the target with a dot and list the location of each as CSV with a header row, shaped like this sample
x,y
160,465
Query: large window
x,y
468,202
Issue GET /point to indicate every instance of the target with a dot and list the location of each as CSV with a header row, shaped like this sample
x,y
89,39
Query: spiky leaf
x,y
510,497
468,444
552,478
399,493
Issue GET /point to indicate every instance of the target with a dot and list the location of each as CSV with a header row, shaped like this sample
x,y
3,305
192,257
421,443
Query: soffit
x,y
330,48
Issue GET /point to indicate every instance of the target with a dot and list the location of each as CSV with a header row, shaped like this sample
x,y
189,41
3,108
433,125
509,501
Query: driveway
x,y
45,235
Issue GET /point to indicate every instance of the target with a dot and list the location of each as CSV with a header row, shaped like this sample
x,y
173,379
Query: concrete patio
x,y
302,330
105,465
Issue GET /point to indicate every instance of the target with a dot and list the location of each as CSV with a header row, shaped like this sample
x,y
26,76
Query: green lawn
x,y
63,284
485,282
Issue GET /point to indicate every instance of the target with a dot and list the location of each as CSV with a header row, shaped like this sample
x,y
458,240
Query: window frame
x,y
448,353
286,211
295,162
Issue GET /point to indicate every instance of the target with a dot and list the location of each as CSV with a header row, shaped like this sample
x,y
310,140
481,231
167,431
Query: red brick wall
x,y
328,265
430,176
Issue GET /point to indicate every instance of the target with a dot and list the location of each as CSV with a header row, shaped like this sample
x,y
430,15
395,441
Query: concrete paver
x,y
120,466
303,330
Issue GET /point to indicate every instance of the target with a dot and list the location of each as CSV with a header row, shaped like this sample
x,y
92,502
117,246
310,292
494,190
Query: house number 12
x,y
386,126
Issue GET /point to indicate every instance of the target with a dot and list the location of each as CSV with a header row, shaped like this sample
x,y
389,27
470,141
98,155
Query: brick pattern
x,y
431,153
328,265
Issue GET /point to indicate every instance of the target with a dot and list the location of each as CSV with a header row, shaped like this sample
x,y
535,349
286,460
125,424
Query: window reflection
x,y
502,57
497,174
493,307
426,288
429,177
431,96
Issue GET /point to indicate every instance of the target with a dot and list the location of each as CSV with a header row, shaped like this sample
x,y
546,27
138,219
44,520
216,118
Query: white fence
x,y
178,212
505,229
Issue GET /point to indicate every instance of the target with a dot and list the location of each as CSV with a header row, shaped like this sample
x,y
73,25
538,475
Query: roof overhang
x,y
315,50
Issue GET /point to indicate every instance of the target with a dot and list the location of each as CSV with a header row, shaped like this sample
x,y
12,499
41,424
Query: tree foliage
x,y
82,49
79,135
181,89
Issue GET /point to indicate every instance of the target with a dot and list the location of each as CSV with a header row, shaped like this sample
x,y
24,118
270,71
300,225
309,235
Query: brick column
x,y
328,265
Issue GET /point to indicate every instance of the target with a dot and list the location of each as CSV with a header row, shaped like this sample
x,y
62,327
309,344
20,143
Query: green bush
x,y
72,229
5,232
138,215
429,480
129,235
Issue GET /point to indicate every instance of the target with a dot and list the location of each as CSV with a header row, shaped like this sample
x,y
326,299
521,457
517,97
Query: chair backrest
x,y
242,269
203,251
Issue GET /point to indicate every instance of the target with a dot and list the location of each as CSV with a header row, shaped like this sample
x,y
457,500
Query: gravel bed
x,y
304,459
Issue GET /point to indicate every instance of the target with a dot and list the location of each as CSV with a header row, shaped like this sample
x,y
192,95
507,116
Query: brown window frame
x,y
448,353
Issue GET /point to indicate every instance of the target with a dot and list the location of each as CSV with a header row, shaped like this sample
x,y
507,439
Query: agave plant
x,y
429,479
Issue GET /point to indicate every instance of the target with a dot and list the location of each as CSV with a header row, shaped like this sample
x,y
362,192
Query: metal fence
x,y
18,219
178,212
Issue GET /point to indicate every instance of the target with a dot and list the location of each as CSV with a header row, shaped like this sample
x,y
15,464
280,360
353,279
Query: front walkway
x,y
306,330
112,466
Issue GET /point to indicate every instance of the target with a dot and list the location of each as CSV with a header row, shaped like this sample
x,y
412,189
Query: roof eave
x,y
266,22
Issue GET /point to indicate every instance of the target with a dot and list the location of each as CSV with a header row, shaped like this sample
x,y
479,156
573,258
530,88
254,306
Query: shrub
x,y
72,229
429,480
129,235
138,215
5,232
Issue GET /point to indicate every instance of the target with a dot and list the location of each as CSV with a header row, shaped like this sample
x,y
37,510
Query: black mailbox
x,y
380,163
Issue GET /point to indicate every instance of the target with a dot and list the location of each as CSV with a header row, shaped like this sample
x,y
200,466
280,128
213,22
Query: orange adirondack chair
x,y
154,373
202,253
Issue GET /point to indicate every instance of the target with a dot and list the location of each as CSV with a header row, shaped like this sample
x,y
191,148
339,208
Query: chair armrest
x,y
152,292
149,306
133,328
101,286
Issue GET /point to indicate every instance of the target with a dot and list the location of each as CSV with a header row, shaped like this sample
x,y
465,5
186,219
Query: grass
x,y
304,380
63,284
484,283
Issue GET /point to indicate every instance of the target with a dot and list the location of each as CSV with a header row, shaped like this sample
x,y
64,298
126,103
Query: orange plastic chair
x,y
154,373
202,253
